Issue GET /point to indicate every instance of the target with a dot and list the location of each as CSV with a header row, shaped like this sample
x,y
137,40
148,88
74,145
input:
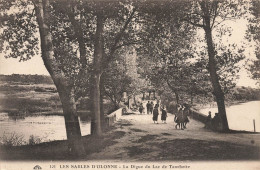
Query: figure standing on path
x,y
158,102
151,107
180,117
155,114
185,116
208,121
141,108
215,122
148,105
209,117
164,114
176,119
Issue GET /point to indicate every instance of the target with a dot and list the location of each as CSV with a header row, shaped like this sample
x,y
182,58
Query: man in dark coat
x,y
148,105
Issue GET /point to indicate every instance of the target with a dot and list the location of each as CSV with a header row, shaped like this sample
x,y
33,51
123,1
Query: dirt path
x,y
142,140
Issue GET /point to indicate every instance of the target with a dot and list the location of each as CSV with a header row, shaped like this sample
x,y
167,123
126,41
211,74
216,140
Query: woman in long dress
x,y
185,116
180,118
164,115
155,114
151,107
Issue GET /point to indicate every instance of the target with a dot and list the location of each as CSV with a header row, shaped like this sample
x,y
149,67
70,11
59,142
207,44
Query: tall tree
x,y
166,45
208,15
20,30
112,20
87,24
116,81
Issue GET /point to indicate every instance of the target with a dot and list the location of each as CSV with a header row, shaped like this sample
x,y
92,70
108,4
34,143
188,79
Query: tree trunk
x,y
177,97
91,100
134,100
63,85
218,93
174,90
102,116
128,100
96,119
71,120
98,55
191,97
78,33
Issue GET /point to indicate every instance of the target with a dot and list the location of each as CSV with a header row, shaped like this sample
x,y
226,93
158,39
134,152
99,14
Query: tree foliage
x,y
19,34
116,81
253,34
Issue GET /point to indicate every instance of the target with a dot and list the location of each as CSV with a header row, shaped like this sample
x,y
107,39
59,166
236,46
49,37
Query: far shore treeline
x,y
23,78
237,94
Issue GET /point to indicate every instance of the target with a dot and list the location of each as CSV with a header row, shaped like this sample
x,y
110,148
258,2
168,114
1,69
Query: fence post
x,y
254,124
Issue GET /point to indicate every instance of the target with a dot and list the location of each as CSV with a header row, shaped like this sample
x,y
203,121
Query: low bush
x,y
15,139
12,140
33,140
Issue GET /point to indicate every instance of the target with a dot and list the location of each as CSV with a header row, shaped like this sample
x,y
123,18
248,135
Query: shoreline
x,y
199,107
137,138
236,112
44,113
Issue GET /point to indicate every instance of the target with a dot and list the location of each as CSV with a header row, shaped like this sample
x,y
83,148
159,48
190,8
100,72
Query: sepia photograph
x,y
129,84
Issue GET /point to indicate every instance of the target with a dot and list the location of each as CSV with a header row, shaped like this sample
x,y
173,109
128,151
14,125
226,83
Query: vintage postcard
x,y
129,84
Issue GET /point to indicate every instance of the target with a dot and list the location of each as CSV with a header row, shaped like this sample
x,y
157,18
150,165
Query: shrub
x,y
17,140
33,140
12,140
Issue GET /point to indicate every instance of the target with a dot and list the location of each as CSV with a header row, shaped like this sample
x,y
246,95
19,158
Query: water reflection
x,y
241,116
16,117
47,128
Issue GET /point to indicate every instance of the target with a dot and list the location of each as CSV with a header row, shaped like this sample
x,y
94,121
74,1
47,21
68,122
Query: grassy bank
x,y
57,150
26,99
132,139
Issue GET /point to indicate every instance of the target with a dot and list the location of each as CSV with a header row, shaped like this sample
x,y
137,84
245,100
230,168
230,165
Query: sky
x,y
36,66
13,66
238,36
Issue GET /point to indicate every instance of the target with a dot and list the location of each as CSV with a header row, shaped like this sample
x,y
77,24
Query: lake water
x,y
47,128
241,116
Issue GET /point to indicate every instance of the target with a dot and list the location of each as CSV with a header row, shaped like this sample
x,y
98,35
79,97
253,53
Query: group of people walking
x,y
156,114
149,107
213,123
154,110
181,117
